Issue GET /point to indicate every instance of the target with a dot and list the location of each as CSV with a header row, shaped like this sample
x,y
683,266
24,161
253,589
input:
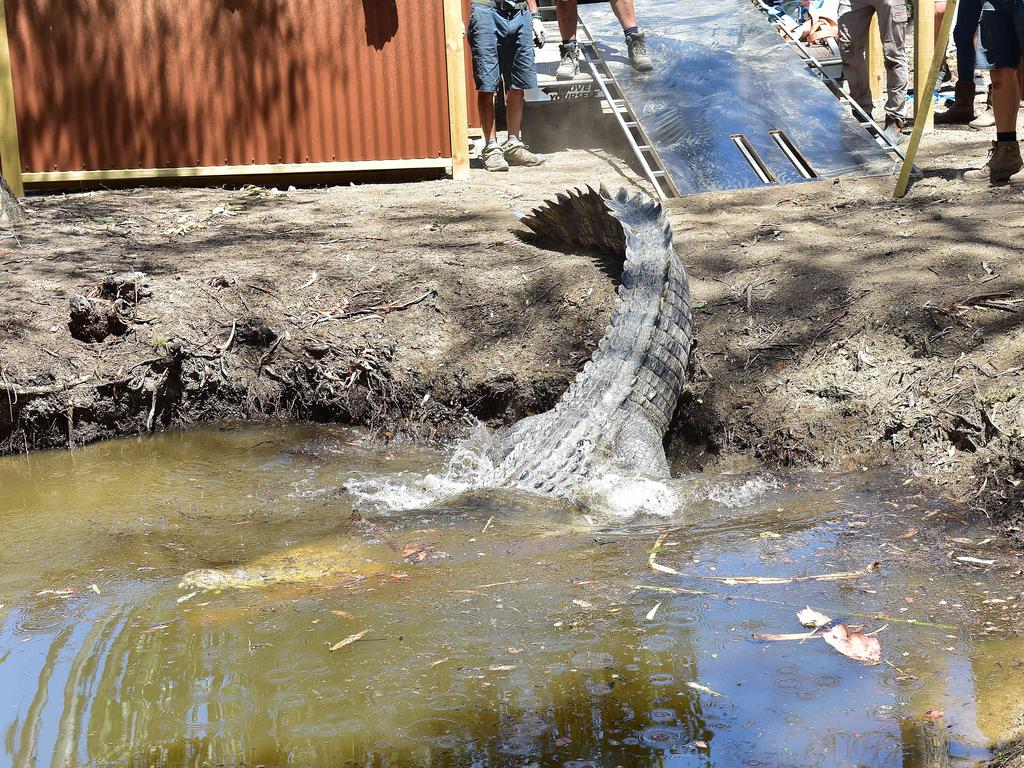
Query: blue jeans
x,y
1002,32
502,46
968,57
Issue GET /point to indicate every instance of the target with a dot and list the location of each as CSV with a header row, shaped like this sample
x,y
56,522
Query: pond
x,y
486,628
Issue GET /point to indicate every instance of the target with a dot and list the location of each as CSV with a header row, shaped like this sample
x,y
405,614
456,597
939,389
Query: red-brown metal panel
x,y
107,84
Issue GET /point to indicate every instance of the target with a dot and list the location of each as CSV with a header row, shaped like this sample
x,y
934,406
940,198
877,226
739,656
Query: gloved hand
x,y
539,38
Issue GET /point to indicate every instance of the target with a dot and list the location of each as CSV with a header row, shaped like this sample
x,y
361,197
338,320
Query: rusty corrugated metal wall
x,y
109,84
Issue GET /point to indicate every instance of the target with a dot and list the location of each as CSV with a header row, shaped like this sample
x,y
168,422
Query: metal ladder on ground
x,y
636,137
812,63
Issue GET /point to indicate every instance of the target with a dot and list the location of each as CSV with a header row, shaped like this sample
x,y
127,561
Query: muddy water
x,y
540,636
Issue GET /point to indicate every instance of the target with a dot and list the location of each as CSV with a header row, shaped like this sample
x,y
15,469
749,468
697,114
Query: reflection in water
x,y
533,642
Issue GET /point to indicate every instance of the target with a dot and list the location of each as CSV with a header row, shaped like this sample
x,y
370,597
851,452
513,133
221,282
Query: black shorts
x,y
1002,32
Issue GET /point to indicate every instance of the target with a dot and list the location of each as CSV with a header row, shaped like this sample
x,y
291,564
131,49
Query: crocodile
x,y
615,413
617,410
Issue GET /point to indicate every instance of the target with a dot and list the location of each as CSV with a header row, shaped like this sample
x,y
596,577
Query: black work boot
x,y
893,129
961,111
639,59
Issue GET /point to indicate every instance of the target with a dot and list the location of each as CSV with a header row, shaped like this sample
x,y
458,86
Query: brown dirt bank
x,y
836,326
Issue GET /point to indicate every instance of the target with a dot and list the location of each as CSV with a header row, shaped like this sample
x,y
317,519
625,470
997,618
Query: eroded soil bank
x,y
837,327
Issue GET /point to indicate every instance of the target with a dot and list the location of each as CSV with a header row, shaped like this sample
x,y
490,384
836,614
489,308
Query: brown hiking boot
x,y
516,153
961,111
1004,161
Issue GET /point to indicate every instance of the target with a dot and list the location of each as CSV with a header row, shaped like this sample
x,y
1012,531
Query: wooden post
x,y
876,63
924,52
10,150
458,115
924,106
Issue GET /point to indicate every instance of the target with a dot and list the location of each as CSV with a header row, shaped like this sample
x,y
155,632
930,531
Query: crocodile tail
x,y
577,219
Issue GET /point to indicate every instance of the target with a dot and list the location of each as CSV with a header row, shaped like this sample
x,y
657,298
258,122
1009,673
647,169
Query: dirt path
x,y
837,327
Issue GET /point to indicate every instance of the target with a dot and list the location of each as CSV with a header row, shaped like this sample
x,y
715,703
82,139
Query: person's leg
x,y
968,16
514,101
1005,99
1002,34
892,23
519,72
485,105
625,12
568,18
482,34
854,23
568,49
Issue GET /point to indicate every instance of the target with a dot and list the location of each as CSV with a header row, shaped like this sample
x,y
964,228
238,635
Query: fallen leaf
x,y
653,611
501,668
59,592
909,534
856,645
414,552
95,588
399,577
700,744
343,614
934,714
349,640
582,603
811,618
189,596
561,741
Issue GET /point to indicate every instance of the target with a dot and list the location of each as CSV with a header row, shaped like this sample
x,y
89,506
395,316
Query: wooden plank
x,y
207,171
10,148
924,106
458,111
876,62
924,52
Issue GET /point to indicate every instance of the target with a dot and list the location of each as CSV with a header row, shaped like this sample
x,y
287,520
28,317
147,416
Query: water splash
x,y
609,493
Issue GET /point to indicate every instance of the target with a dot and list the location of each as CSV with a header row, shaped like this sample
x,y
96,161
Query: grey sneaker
x,y
494,158
569,66
516,153
639,59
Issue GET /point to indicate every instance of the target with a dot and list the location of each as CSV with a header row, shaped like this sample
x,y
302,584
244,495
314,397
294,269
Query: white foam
x,y
623,496
610,492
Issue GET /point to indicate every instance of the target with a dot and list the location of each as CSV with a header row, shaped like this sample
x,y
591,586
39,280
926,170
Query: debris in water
x,y
975,560
348,640
733,580
785,636
414,552
855,644
811,618
704,689
653,611
488,524
935,714
58,592
501,667
189,596
343,614
700,744
95,588
562,741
